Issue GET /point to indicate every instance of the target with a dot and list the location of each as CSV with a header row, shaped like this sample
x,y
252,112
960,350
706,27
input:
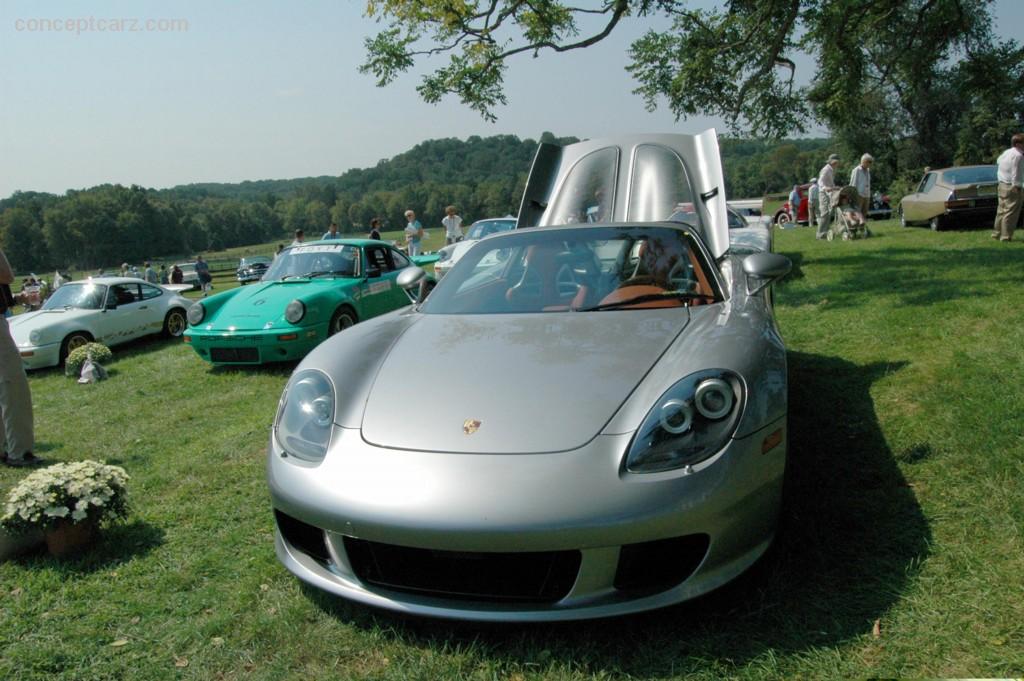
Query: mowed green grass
x,y
900,551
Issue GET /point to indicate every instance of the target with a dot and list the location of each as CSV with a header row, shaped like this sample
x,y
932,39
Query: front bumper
x,y
254,347
39,356
476,507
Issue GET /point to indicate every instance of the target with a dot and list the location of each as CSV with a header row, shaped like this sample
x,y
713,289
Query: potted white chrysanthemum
x,y
67,502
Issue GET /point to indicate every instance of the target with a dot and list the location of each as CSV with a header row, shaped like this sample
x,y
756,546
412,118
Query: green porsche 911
x,y
310,292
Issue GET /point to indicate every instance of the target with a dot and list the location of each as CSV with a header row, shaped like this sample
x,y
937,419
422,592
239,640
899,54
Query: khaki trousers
x,y
865,203
16,437
824,214
1010,201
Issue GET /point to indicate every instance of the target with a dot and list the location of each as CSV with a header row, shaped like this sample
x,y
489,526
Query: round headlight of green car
x,y
691,422
196,313
305,416
295,311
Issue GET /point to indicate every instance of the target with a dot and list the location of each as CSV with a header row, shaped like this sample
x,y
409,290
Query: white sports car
x,y
110,311
449,255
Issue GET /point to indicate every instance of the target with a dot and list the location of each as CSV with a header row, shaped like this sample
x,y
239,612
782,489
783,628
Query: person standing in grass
x,y
860,178
149,274
452,226
331,233
203,272
163,275
1010,171
413,233
300,236
375,229
812,203
16,427
826,185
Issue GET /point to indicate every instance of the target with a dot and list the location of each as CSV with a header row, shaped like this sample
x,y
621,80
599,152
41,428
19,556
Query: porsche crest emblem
x,y
470,426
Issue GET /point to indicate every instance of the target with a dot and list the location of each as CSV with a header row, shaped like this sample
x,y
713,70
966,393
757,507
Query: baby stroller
x,y
847,220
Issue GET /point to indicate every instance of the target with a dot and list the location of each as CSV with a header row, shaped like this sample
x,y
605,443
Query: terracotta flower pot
x,y
68,538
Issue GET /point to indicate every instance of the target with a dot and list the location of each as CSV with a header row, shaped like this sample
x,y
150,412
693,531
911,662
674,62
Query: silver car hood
x,y
526,383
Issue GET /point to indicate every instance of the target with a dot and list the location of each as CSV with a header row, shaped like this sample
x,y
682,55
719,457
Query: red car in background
x,y
785,213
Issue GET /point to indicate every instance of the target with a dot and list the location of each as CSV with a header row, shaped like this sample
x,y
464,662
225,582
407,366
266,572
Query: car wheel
x,y
343,318
175,323
72,342
903,219
935,224
782,218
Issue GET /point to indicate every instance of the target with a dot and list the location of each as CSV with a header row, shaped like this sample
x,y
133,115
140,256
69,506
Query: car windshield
x,y
83,295
255,260
487,227
970,175
317,259
577,270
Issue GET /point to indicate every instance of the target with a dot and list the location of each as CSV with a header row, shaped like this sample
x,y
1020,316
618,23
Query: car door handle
x,y
143,307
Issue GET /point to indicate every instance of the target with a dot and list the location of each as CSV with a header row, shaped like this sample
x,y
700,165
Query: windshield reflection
x,y
577,270
319,259
83,296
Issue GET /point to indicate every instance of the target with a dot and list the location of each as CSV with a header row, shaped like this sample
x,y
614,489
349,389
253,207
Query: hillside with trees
x,y
484,177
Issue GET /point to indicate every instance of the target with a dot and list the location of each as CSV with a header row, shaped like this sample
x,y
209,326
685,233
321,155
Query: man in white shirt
x,y
452,226
826,185
861,179
1010,171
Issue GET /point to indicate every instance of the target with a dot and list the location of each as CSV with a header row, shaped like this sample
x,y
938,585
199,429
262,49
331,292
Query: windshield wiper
x,y
333,273
646,298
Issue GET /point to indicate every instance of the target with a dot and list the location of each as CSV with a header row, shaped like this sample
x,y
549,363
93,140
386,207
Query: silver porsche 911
x,y
611,433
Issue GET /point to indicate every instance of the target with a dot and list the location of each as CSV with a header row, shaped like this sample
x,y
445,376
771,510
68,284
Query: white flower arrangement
x,y
81,491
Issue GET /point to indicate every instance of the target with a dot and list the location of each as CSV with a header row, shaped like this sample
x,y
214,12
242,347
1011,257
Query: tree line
x,y
483,177
110,224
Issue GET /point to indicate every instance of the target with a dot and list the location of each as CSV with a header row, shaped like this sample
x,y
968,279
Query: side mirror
x,y
372,272
764,269
410,277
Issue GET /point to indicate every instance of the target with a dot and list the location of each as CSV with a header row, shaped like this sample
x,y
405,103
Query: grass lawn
x,y
900,552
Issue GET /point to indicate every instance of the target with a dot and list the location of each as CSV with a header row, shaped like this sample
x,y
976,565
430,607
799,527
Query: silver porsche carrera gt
x,y
611,434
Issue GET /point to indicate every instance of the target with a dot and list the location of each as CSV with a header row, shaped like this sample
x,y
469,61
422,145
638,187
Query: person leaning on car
x,y
1010,171
16,428
860,178
826,184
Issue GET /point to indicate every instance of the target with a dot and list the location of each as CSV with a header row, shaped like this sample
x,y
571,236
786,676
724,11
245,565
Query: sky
x,y
229,91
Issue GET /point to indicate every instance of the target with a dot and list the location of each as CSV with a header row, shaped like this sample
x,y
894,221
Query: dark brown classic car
x,y
948,198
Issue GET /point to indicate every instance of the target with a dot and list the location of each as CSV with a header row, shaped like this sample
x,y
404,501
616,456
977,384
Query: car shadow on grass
x,y
117,544
917,277
852,538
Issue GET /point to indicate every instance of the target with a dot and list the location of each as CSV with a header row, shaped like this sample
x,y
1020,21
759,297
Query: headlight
x,y
689,423
196,313
35,336
444,254
305,416
295,312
